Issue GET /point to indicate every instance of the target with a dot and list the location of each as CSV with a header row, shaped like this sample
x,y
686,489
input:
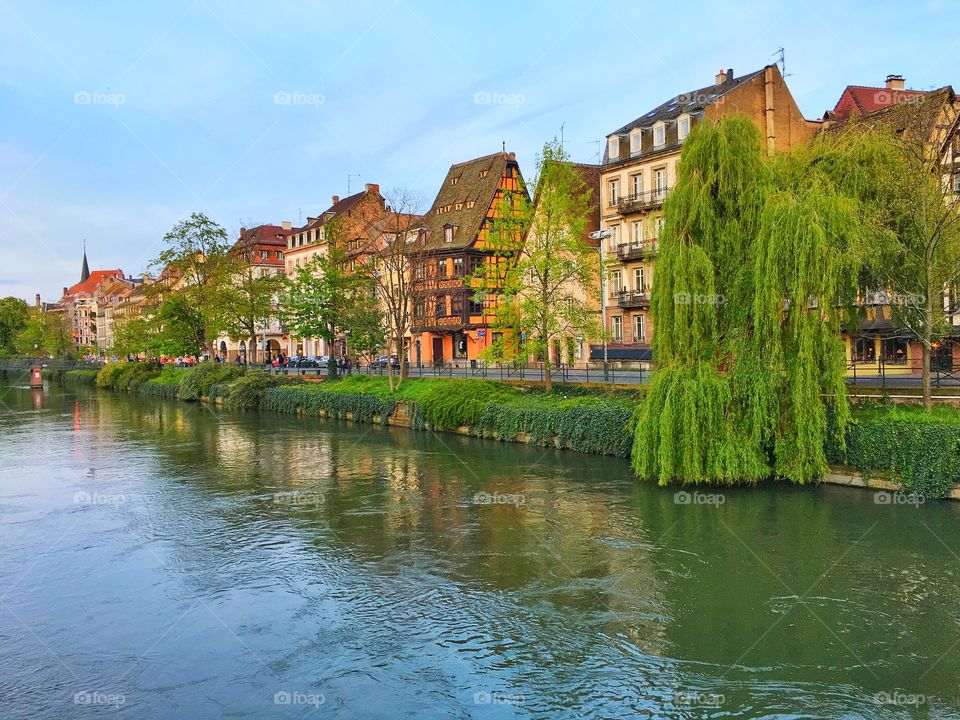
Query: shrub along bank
x,y
919,451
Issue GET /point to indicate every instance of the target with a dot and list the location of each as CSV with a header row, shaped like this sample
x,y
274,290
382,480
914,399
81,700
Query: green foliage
x,y
758,257
196,381
921,450
311,398
247,391
45,333
126,376
198,251
545,270
166,384
81,377
14,314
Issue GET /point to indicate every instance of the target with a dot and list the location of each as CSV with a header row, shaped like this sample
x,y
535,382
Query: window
x,y
660,182
636,141
683,127
614,238
458,267
614,187
458,206
456,305
617,330
638,279
440,306
470,204
616,282
863,350
454,181
483,173
613,147
638,329
419,309
474,307
449,231
636,233
659,135
441,268
476,263
658,225
279,255
894,351
264,254
508,172
636,185
419,271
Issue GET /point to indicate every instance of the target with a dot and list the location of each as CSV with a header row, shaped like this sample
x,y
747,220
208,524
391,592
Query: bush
x,y
247,391
166,384
109,374
921,450
196,382
81,377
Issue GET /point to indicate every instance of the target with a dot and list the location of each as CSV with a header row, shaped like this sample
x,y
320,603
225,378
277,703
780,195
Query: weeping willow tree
x,y
758,258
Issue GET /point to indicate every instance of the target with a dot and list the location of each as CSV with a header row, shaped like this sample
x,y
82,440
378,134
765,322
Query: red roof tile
x,y
860,99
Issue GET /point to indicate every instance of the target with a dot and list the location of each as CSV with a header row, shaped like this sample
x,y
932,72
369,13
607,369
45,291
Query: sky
x,y
119,119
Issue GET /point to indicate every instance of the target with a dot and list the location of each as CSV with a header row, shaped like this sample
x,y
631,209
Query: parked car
x,y
293,361
384,360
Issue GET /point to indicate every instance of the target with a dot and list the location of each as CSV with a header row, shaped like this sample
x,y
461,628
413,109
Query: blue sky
x,y
118,119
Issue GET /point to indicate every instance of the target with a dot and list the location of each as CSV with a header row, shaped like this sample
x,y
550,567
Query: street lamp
x,y
602,235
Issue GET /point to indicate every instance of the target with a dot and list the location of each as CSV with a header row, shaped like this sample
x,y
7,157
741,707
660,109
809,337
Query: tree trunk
x,y
548,374
251,348
927,343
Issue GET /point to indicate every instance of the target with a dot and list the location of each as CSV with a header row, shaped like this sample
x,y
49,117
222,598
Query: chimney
x,y
372,188
729,74
895,82
721,77
335,199
36,300
286,224
64,289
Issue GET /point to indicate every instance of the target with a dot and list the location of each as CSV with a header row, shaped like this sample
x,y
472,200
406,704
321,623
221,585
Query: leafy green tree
x,y
14,314
547,270
248,300
178,327
758,258
330,294
45,333
198,259
916,263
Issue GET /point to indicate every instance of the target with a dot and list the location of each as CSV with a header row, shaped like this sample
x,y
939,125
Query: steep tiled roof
x,y
463,199
264,235
688,102
89,285
861,99
337,209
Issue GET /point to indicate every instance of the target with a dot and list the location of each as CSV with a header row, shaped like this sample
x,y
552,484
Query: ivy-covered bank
x,y
918,451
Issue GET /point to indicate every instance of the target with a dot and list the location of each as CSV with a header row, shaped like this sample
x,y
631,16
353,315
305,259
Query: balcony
x,y
633,298
632,251
640,202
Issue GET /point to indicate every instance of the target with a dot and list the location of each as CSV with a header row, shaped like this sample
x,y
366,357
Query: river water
x,y
168,560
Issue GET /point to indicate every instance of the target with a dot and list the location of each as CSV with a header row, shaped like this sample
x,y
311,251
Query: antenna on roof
x,y
599,144
350,176
781,58
561,137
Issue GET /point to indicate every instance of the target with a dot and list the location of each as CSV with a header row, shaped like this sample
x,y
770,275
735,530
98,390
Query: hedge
x,y
312,399
920,450
197,381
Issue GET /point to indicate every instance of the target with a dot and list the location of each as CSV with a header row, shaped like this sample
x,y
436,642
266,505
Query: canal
x,y
169,560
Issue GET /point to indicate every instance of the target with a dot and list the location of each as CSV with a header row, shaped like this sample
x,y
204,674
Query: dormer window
x,y
683,127
483,173
454,180
449,233
613,147
659,135
470,204
458,206
636,141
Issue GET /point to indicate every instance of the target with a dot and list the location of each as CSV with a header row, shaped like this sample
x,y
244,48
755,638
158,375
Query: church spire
x,y
85,272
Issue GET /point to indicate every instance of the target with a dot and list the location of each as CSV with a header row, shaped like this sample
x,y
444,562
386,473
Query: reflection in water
x,y
201,563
